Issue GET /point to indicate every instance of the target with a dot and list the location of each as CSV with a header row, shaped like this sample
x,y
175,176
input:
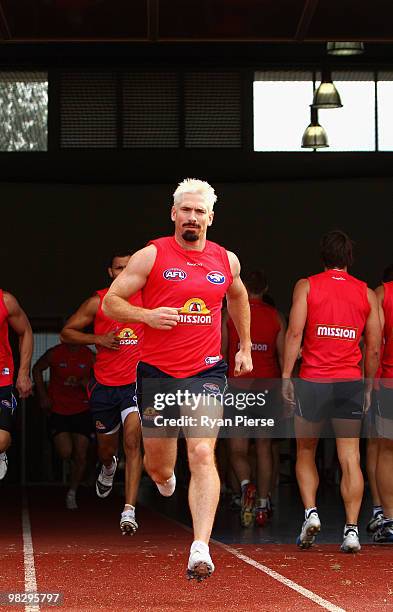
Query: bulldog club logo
x,y
216,278
127,336
195,312
174,274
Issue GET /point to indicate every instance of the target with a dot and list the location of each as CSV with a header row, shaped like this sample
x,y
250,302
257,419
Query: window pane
x,y
23,111
281,114
385,117
352,127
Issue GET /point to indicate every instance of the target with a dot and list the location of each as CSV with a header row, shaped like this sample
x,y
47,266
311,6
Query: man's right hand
x,y
109,341
162,318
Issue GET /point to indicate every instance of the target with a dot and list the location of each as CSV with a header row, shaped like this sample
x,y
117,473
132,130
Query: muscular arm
x,y
280,340
224,335
20,324
132,279
297,321
372,345
42,364
239,311
82,318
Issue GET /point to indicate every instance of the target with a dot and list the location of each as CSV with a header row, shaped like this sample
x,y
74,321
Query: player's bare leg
x,y
132,451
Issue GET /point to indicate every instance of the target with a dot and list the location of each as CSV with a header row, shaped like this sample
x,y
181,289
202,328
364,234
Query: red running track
x,y
83,555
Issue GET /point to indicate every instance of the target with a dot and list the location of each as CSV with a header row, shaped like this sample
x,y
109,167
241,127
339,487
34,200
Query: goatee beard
x,y
190,236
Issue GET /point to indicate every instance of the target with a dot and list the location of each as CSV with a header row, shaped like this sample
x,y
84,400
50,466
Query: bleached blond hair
x,y
190,185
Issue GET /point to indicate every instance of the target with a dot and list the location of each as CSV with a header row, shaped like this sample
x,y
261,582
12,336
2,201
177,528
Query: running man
x,y
66,403
112,390
12,314
332,309
384,417
184,279
377,519
267,336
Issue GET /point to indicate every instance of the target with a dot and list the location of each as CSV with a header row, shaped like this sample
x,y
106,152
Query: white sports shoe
x,y
3,465
128,524
351,542
71,500
200,564
104,482
310,528
167,488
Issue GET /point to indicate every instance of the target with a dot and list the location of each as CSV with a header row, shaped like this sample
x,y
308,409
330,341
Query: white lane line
x,y
28,556
327,605
289,583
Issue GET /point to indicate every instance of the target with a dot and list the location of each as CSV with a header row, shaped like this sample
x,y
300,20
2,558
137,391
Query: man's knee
x,y
5,440
200,455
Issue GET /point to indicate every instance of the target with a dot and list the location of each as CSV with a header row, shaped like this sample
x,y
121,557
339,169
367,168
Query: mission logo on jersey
x,y
127,336
336,331
195,312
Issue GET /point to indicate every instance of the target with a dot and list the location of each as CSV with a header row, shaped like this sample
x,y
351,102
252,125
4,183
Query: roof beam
x,y
152,20
5,32
310,7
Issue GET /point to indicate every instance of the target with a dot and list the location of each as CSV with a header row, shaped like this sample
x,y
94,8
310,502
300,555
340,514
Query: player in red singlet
x,y
333,309
384,416
377,518
111,390
12,314
66,401
267,336
183,279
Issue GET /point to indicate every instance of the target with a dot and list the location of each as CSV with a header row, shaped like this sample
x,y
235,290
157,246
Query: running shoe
x,y
261,516
270,505
3,465
375,523
247,511
384,534
70,500
104,482
128,524
351,542
310,528
200,564
236,502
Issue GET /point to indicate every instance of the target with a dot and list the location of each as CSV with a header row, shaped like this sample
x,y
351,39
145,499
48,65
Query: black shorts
x,y
8,405
253,412
384,413
158,392
317,402
109,406
79,423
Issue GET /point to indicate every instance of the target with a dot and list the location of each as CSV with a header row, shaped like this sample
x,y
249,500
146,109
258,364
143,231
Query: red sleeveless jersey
x,y
116,367
196,282
337,312
6,360
69,372
265,327
387,357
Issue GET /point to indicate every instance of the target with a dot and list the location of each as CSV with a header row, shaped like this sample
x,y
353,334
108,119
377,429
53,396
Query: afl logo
x,y
174,274
217,278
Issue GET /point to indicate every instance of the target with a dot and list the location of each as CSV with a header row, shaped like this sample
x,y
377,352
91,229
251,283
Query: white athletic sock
x,y
351,527
377,510
262,502
244,483
167,488
128,507
199,545
111,470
